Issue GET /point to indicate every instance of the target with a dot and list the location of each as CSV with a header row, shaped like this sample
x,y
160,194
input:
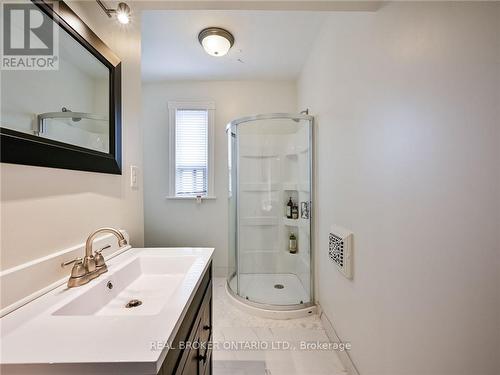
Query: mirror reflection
x,y
69,105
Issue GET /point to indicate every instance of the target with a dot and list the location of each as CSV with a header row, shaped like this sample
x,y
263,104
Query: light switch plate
x,y
133,176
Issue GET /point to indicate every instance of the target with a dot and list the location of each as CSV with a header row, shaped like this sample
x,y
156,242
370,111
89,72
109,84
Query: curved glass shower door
x,y
270,162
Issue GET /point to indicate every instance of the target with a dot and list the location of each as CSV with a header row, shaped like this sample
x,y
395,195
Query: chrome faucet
x,y
91,266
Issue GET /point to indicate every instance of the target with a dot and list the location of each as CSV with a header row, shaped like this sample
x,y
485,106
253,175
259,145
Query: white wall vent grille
x,y
340,249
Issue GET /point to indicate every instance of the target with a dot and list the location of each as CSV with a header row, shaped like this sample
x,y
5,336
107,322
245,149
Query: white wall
x,y
184,223
407,103
44,210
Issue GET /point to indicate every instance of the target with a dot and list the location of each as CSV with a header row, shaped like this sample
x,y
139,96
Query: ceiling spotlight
x,y
216,41
122,12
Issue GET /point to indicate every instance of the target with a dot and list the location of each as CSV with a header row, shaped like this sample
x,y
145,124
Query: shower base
x,y
277,296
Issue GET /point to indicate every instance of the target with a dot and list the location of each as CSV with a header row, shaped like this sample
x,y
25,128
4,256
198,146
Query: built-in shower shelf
x,y
295,151
252,252
266,187
259,186
292,186
259,220
259,155
295,222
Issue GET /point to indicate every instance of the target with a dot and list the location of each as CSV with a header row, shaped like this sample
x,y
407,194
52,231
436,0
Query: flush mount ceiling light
x,y
122,12
216,41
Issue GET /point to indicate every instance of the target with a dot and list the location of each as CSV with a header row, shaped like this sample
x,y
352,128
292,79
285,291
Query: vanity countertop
x,y
87,330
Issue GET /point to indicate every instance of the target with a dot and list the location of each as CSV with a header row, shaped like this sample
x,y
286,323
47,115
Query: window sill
x,y
211,197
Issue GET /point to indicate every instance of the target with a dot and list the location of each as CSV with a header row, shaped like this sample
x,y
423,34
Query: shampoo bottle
x,y
289,207
295,212
292,245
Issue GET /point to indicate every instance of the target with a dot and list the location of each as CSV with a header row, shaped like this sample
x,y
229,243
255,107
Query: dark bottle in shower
x,y
289,207
292,244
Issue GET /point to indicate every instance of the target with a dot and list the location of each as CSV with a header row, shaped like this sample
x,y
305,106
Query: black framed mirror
x,y
65,115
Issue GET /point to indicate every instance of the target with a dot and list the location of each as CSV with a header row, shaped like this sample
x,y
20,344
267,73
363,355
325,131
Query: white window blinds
x,y
191,152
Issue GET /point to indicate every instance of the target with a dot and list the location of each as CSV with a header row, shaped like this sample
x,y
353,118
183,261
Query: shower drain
x,y
278,286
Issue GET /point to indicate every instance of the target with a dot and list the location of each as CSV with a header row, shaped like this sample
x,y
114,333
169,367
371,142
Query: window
x,y
191,149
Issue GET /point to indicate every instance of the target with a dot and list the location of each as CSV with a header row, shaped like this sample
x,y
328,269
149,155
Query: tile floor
x,y
249,345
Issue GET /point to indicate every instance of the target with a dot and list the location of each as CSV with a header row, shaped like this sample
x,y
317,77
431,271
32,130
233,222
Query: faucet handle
x,y
78,269
99,259
104,248
76,261
100,264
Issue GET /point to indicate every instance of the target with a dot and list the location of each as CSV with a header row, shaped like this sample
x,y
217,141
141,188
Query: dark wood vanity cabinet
x,y
191,350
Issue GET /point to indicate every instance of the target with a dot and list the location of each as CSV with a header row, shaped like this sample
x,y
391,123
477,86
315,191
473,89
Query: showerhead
x,y
75,119
304,112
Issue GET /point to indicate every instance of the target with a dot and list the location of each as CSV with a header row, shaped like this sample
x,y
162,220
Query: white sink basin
x,y
88,330
150,279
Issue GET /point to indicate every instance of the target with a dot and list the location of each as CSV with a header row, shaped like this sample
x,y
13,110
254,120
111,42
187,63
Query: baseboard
x,y
332,335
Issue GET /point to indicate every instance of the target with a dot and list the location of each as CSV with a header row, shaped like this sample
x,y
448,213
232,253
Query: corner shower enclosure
x,y
270,161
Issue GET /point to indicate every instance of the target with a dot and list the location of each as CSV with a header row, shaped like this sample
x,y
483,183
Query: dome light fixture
x,y
216,41
122,12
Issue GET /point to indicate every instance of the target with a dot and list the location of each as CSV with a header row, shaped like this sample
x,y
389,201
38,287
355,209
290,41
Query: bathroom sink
x,y
140,287
89,329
